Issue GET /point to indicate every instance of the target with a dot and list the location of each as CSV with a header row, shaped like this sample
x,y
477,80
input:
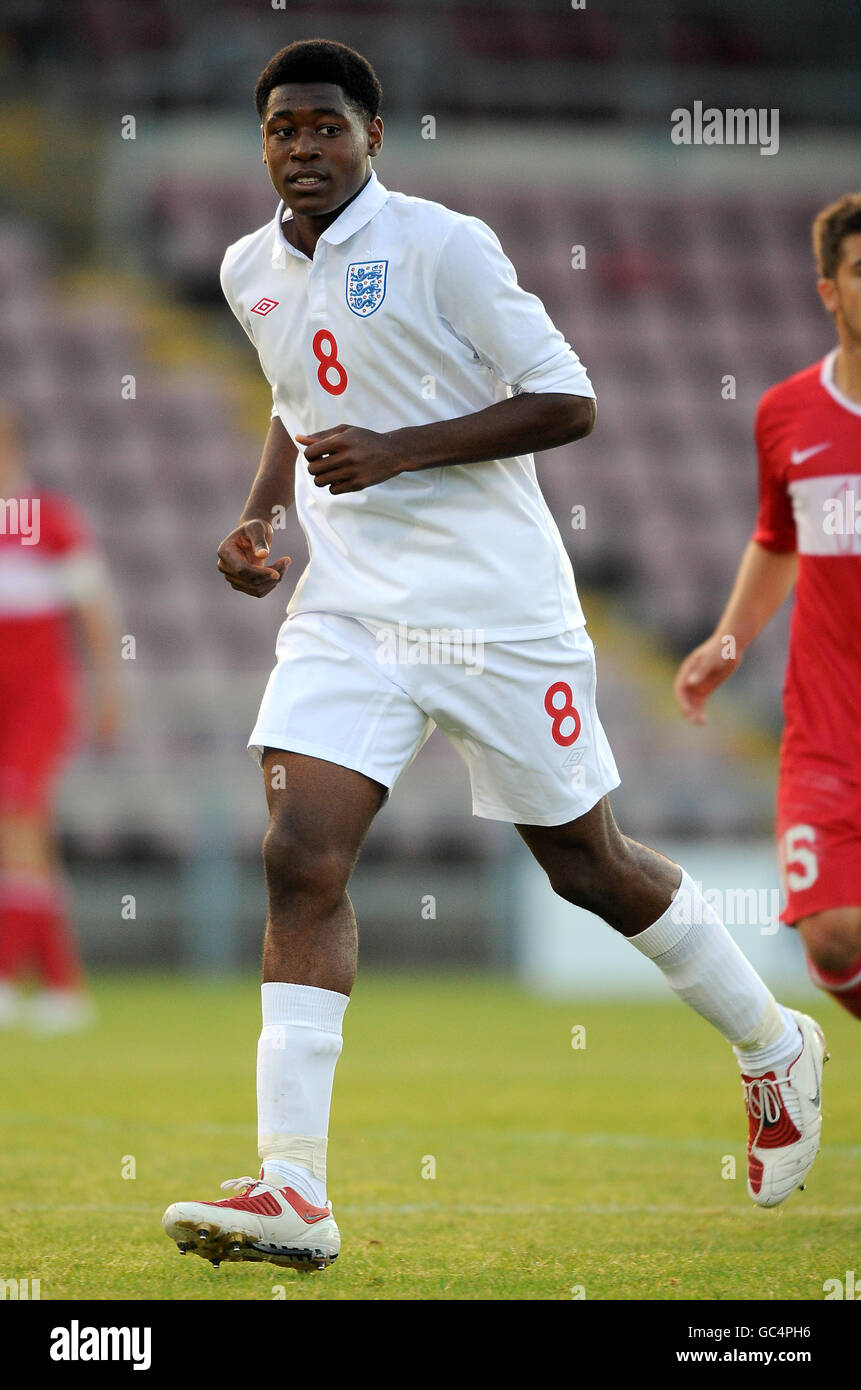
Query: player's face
x,y
316,146
842,295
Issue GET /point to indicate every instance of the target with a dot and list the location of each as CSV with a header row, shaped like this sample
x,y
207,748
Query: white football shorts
x,y
521,714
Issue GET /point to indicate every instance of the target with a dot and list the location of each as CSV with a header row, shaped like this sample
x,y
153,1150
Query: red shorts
x,y
37,733
818,842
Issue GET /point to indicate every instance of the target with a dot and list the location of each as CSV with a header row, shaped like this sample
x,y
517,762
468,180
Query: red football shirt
x,y
808,439
39,533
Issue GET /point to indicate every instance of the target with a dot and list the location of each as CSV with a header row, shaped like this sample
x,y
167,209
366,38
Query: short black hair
x,y
322,60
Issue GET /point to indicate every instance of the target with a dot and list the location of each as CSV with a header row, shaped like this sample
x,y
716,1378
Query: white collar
x,y
355,216
826,378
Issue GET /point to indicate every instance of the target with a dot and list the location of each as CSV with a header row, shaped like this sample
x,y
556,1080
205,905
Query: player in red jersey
x,y
808,533
49,571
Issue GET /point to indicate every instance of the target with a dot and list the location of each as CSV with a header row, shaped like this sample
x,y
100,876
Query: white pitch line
x,y
476,1136
99,1122
584,1209
80,1206
476,1209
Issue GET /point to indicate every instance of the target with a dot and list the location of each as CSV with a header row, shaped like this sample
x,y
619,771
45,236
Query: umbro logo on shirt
x,y
264,307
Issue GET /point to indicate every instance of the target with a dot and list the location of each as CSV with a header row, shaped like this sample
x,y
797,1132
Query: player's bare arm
x,y
348,459
98,625
243,555
763,582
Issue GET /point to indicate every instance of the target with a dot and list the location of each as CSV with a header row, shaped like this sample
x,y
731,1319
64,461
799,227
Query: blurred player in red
x,y
49,573
808,533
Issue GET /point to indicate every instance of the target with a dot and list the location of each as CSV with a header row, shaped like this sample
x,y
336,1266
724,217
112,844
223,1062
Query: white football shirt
x,y
410,313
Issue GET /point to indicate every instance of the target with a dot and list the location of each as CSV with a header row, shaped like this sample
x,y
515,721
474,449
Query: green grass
x,y
555,1167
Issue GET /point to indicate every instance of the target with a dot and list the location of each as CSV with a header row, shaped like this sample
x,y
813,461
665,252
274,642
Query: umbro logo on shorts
x,y
264,307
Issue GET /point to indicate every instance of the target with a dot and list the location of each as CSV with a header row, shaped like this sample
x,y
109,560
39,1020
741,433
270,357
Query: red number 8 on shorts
x,y
328,362
559,713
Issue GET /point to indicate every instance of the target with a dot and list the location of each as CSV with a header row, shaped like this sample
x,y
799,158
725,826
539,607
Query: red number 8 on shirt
x,y
328,362
559,713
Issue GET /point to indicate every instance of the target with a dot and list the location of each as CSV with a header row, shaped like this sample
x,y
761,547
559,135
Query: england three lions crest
x,y
366,286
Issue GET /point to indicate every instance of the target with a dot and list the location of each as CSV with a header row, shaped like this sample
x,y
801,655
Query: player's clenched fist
x,y
707,667
346,458
242,559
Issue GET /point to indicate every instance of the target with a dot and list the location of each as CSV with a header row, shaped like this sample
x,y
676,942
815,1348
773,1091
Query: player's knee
x,y
833,939
591,895
296,870
580,878
600,874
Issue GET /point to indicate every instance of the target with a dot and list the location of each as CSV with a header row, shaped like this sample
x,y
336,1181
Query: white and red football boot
x,y
261,1223
784,1118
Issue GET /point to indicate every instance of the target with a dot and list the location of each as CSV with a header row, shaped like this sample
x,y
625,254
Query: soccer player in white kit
x,y
412,381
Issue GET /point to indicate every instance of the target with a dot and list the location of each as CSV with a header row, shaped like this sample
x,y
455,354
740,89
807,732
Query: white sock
x,y
704,967
296,1057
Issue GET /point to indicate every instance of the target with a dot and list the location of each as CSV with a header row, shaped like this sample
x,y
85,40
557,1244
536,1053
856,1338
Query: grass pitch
x,y
558,1170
